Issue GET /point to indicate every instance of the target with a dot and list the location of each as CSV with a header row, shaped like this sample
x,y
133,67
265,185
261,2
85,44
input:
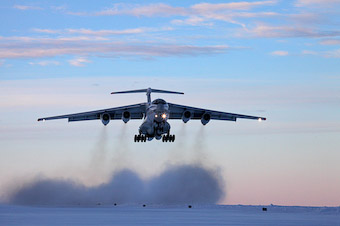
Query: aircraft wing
x,y
137,111
177,111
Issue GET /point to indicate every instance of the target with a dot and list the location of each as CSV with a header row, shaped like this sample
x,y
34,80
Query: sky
x,y
277,59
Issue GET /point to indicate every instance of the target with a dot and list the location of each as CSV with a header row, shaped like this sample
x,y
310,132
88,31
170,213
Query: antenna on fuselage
x,y
148,92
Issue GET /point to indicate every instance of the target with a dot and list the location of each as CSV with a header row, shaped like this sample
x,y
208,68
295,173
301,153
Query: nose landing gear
x,y
168,137
140,138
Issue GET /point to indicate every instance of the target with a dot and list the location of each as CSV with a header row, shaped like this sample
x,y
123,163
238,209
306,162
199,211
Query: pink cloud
x,y
301,3
84,31
330,42
210,7
79,62
45,63
280,53
270,31
27,7
26,47
159,9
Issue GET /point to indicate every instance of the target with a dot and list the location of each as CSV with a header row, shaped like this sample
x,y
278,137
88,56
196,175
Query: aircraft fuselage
x,y
155,123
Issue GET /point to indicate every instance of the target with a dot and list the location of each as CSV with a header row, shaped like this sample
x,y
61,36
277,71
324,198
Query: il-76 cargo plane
x,y
155,115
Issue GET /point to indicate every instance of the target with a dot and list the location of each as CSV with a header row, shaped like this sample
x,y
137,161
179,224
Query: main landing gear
x,y
165,138
140,137
170,138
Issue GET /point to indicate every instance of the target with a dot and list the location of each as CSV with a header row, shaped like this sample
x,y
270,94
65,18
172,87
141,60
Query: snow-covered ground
x,y
168,215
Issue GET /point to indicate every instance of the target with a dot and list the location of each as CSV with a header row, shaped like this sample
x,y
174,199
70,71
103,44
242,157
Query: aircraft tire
x,y
173,138
135,138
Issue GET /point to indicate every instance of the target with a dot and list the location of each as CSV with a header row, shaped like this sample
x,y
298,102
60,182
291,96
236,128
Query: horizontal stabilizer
x,y
149,90
131,91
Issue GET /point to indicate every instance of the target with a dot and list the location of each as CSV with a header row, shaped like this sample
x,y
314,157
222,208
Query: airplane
x,y
155,114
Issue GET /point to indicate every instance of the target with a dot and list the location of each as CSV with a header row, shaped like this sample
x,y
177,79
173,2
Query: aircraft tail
x,y
148,92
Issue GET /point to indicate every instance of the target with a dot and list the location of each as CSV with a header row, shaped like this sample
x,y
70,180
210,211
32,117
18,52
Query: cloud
x,y
279,53
164,10
107,32
79,62
45,63
26,7
210,7
84,31
48,31
302,3
159,9
302,24
330,42
332,54
326,54
309,52
60,7
197,14
28,47
193,21
269,31
303,18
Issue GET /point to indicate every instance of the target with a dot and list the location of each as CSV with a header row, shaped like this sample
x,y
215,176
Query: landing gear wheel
x,y
168,137
140,138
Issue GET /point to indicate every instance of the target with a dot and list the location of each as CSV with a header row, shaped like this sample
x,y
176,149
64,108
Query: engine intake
x,y
105,118
205,118
186,116
126,116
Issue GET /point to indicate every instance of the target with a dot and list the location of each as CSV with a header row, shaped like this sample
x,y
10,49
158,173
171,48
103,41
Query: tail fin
x,y
148,92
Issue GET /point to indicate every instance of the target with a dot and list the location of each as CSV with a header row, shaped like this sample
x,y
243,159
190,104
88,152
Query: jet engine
x,y
205,118
105,118
186,116
126,116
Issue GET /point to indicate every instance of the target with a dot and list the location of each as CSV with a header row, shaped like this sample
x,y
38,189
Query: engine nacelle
x,y
205,118
126,116
186,116
105,118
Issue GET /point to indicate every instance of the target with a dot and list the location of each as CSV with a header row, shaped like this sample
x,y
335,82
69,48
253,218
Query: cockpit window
x,y
159,101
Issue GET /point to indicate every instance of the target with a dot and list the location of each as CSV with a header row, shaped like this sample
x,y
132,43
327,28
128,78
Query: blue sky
x,y
278,59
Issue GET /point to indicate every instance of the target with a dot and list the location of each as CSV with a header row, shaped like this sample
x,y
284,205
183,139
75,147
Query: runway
x,y
168,215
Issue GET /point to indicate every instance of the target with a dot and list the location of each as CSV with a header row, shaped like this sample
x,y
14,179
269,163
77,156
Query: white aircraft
x,y
155,115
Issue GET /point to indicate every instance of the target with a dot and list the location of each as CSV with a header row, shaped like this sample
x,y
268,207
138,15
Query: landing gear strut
x,y
140,137
168,137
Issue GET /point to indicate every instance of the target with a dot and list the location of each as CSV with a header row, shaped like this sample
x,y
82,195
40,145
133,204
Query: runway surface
x,y
168,215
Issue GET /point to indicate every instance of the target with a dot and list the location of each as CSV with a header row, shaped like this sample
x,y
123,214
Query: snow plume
x,y
98,164
121,152
181,184
177,153
199,154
